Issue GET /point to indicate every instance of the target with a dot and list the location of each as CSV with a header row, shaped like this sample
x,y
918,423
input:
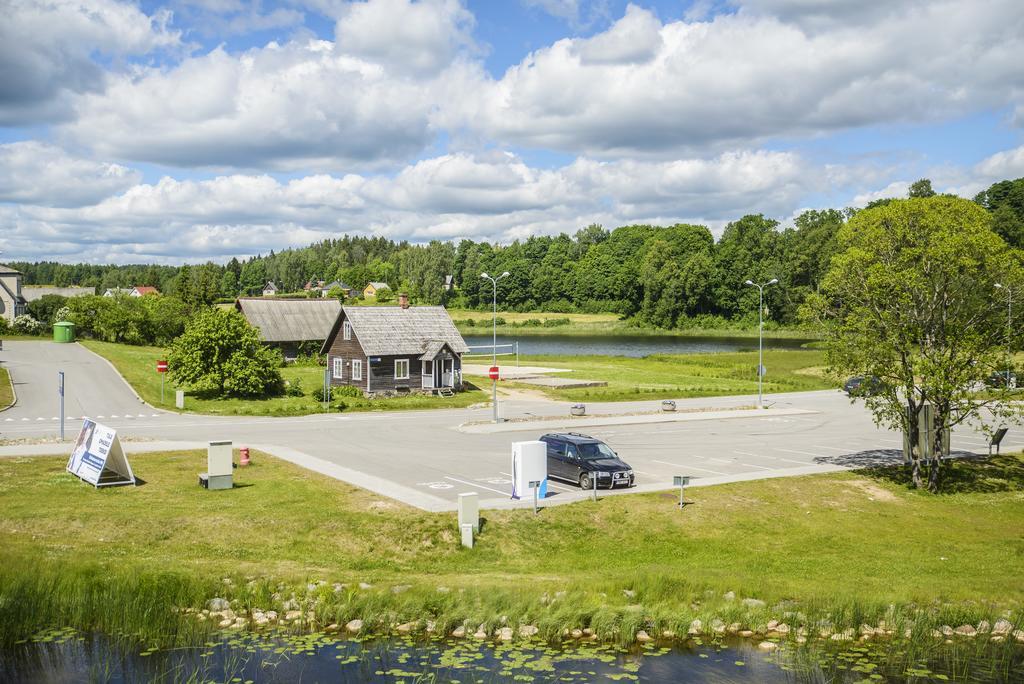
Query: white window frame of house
x,y
346,331
357,369
402,362
338,368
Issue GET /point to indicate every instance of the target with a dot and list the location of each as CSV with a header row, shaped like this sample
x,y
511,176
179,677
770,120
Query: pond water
x,y
626,345
64,656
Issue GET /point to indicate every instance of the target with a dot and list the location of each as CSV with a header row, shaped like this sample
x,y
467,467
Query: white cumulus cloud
x,y
36,173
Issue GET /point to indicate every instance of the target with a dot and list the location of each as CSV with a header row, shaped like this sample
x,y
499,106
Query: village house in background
x,y
392,350
137,291
372,289
296,326
270,289
12,302
325,288
34,292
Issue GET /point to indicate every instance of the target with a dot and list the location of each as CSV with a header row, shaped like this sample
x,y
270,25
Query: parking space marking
x,y
819,446
475,484
692,467
751,465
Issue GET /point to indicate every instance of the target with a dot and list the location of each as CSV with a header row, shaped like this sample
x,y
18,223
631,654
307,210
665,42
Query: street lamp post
x,y
1009,327
760,334
494,337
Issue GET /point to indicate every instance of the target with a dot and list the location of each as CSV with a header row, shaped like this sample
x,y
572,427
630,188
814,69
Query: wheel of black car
x,y
585,482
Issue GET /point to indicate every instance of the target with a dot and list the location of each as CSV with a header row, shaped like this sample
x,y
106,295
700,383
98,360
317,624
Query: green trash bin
x,y
64,332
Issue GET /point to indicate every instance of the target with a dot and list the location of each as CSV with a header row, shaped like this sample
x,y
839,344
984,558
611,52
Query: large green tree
x,y
220,351
911,299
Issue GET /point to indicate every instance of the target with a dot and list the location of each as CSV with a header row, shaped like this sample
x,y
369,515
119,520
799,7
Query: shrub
x,y
556,322
499,321
293,388
347,391
4,326
26,325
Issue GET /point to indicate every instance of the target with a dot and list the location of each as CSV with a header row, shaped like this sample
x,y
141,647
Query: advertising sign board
x,y
98,457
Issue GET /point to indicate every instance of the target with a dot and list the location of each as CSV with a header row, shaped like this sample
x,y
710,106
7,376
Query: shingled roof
x,y
392,330
290,320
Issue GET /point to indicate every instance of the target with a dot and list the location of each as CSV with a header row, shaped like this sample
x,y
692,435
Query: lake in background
x,y
626,345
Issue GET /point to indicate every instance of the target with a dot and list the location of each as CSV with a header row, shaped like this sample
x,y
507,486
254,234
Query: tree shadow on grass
x,y
964,472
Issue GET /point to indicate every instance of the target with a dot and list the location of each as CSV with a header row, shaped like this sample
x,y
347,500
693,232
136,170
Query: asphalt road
x,y
424,459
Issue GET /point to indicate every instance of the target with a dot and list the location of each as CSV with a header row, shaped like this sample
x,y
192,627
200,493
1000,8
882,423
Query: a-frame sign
x,y
98,457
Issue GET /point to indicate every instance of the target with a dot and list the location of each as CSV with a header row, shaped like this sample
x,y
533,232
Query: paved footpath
x,y
424,459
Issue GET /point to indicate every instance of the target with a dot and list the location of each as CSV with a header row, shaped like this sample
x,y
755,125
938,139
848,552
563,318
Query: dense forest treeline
x,y
660,276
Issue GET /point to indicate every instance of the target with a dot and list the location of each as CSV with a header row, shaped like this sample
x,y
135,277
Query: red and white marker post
x,y
161,368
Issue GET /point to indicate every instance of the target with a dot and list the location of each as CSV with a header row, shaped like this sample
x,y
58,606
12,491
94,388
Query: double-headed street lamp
x,y
760,334
494,339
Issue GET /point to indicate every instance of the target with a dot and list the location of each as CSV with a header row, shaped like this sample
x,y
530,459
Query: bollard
x,y
595,486
469,510
179,399
243,458
467,535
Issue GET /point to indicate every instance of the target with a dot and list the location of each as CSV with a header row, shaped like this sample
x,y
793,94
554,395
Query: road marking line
x,y
692,467
24,419
751,465
8,420
845,451
794,451
157,415
40,418
474,484
745,453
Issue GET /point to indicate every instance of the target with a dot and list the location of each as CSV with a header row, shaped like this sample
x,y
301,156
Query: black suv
x,y
583,460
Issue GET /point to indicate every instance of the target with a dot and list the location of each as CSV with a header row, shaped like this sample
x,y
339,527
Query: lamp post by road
x,y
760,334
494,337
1009,327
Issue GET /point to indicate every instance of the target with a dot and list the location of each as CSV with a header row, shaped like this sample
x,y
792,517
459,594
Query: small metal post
x,y
681,481
162,387
327,376
535,486
595,486
61,390
517,353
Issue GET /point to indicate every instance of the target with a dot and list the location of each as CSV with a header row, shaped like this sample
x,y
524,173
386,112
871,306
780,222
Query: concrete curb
x,y
14,392
599,421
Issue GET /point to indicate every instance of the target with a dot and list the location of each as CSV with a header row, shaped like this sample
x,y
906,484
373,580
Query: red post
x,y
244,455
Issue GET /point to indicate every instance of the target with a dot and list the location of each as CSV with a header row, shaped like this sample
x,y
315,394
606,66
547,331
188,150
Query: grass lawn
x,y
6,389
684,375
846,544
138,366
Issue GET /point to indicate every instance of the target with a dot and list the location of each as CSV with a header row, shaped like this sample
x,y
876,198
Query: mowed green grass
x,y
847,536
684,375
138,366
6,389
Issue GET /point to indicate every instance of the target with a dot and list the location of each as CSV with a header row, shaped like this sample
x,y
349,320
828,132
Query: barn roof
x,y
390,330
7,270
290,320
378,285
34,292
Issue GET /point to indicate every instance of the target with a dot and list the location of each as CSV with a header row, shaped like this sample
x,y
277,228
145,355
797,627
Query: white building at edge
x,y
12,303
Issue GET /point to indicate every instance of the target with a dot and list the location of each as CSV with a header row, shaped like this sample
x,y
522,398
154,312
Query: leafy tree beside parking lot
x,y
220,352
911,299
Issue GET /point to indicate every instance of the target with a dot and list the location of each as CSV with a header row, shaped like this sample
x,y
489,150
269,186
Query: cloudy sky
x,y
188,130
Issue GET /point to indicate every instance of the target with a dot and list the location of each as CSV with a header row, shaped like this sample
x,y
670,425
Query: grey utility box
x,y
218,467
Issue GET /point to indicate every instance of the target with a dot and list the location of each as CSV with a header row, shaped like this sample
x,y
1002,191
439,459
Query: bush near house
x,y
220,352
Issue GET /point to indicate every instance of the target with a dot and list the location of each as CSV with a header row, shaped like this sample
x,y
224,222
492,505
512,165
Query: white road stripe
x,y
751,465
794,451
745,453
475,484
691,467
845,451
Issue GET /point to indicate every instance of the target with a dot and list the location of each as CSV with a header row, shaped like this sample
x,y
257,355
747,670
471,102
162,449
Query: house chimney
x,y
403,300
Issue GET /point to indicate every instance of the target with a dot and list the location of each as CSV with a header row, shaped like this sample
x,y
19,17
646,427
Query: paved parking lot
x,y
423,458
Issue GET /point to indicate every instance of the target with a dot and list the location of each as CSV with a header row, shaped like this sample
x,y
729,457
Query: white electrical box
x,y
219,466
529,464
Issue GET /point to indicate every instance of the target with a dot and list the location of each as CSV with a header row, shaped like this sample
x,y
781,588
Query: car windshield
x,y
590,452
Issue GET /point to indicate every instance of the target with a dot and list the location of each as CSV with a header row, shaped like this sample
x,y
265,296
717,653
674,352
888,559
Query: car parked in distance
x,y
583,460
863,386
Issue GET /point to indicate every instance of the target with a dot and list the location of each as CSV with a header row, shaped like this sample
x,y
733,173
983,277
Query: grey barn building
x,y
294,325
390,350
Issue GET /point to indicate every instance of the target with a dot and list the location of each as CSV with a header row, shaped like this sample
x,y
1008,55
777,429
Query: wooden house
x,y
294,325
392,350
270,289
373,288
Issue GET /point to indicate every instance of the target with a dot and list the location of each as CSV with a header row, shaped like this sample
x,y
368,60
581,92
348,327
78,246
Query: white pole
x,y
760,345
494,346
